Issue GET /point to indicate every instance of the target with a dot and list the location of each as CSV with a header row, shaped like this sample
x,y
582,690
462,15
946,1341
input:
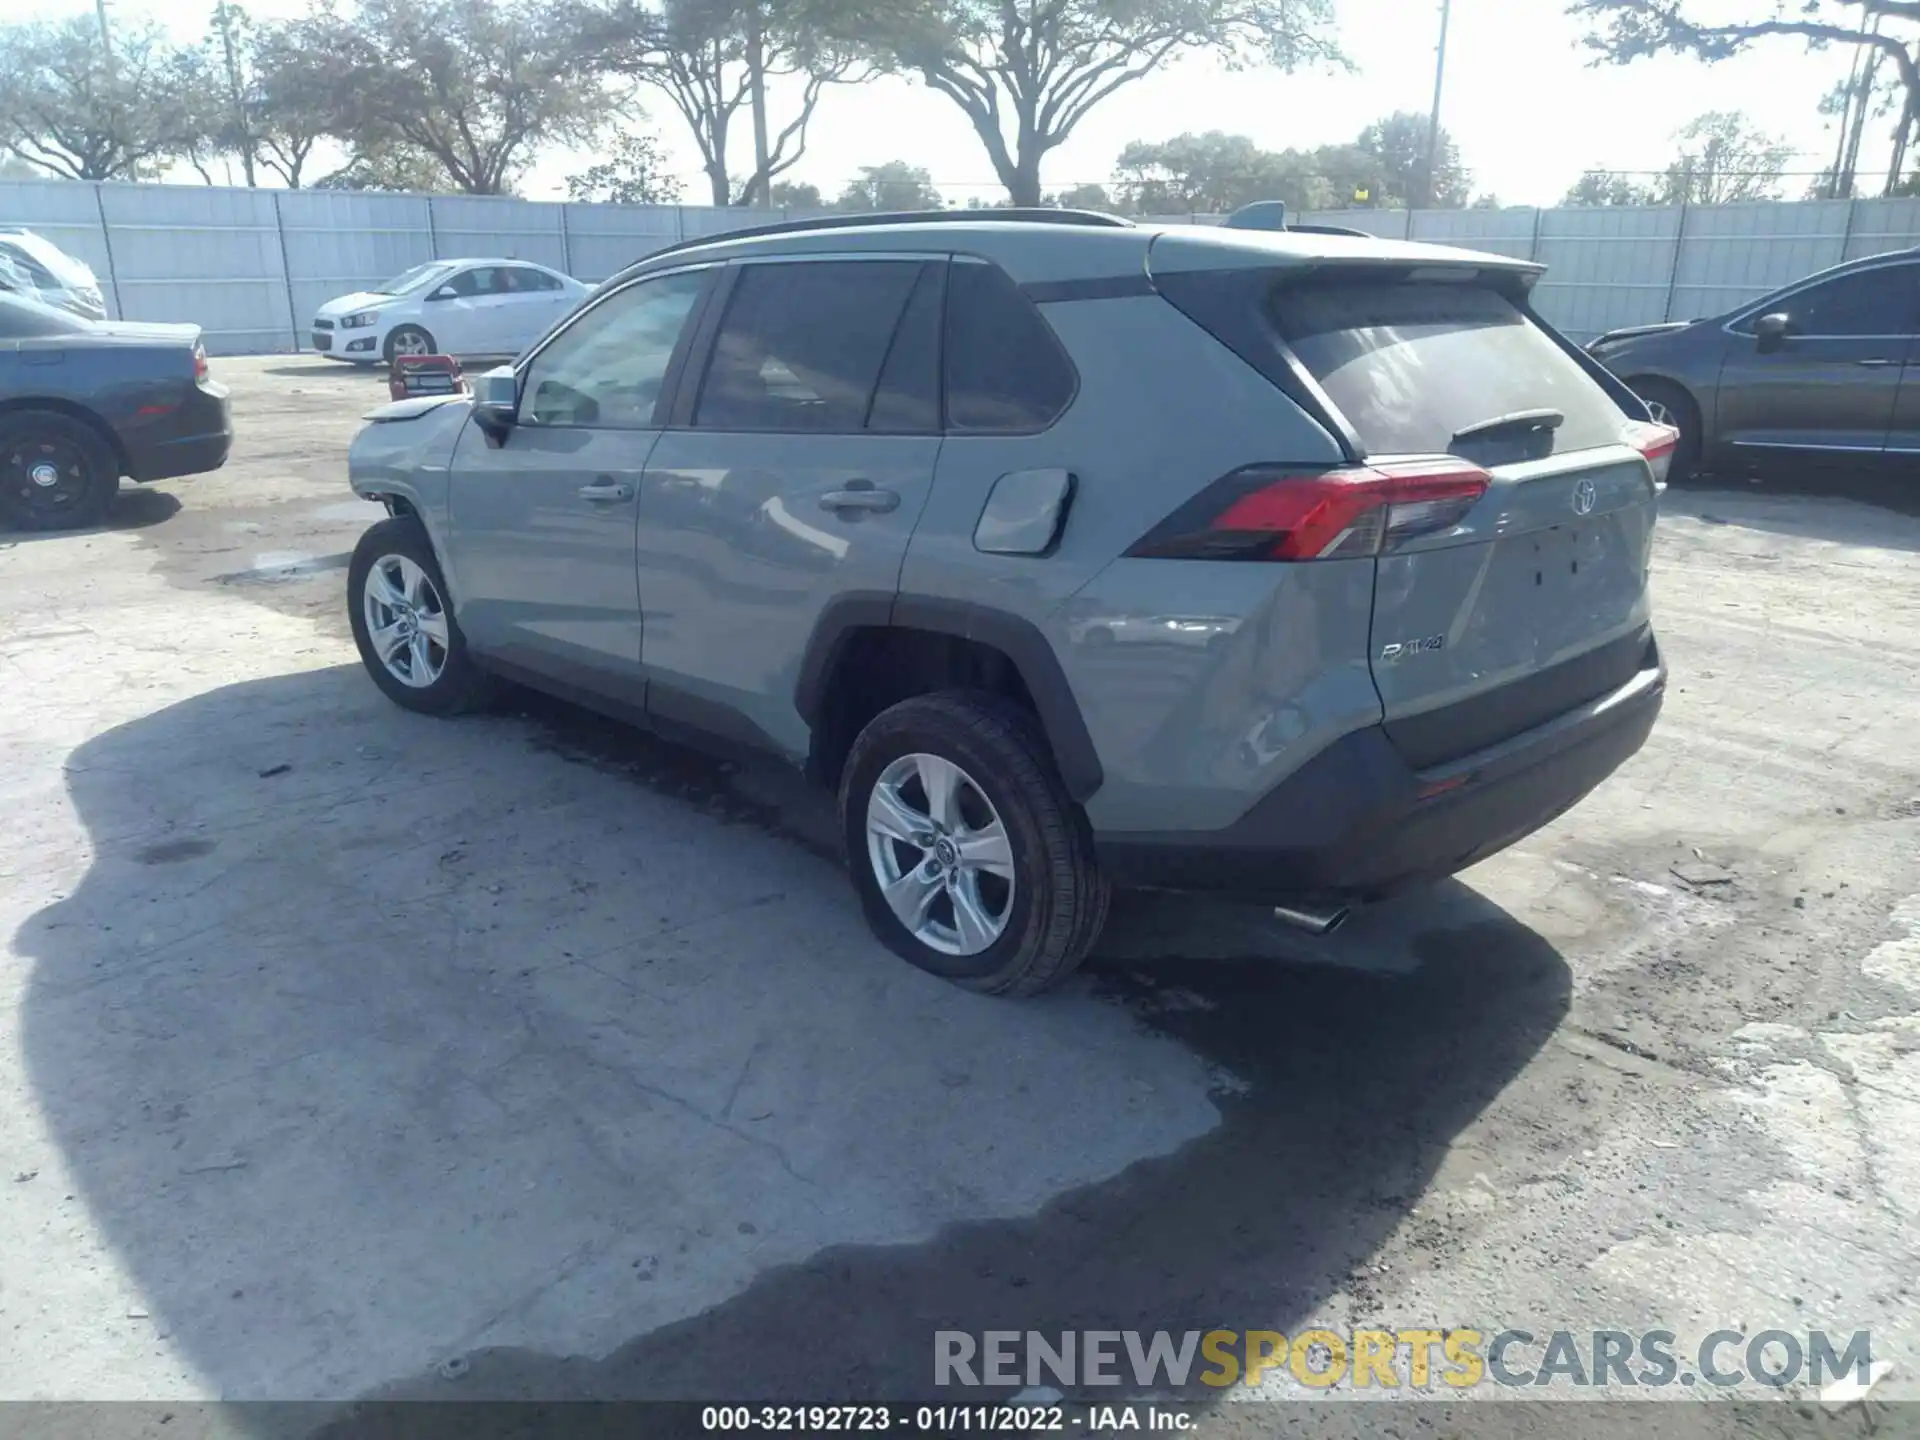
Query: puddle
x,y
274,566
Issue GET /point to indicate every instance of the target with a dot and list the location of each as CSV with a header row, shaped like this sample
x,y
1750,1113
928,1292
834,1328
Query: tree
x,y
386,166
1723,159
636,173
713,59
1215,173
1025,73
792,195
896,185
1622,31
74,111
1081,197
476,85
1608,187
1397,145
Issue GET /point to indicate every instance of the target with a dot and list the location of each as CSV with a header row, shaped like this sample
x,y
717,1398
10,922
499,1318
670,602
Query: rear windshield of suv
x,y
1412,363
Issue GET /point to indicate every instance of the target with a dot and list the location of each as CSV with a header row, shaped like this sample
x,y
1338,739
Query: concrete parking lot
x,y
351,1053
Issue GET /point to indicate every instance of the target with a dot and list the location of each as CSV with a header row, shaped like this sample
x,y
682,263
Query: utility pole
x,y
106,33
1433,122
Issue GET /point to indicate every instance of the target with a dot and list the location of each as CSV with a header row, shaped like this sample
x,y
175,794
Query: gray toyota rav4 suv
x,y
1295,567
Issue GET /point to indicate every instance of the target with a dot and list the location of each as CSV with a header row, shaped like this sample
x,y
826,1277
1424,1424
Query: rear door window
x,y
802,345
1006,372
1413,363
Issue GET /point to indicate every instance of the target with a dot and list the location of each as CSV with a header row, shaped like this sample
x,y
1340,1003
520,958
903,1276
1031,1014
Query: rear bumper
x,y
198,439
1357,822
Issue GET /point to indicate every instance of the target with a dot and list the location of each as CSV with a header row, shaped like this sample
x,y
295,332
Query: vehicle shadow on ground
x,y
383,1050
136,507
1847,507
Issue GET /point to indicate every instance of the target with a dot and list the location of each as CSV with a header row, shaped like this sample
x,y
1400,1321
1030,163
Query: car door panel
x,y
1832,383
542,520
1903,431
782,493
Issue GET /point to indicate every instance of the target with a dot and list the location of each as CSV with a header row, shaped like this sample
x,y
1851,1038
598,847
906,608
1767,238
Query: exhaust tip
x,y
1312,920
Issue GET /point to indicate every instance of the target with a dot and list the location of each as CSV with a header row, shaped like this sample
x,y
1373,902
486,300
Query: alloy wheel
x,y
406,621
941,855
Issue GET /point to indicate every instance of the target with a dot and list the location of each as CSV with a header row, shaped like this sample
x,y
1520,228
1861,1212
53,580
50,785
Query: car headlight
x,y
361,320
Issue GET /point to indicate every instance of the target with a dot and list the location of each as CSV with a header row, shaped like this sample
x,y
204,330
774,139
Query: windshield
x,y
412,279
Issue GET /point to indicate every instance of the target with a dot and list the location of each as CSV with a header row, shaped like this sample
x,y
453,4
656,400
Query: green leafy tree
x,y
1026,73
1082,197
71,109
478,86
1723,159
895,185
1215,173
798,195
715,60
386,166
1608,187
635,172
1397,146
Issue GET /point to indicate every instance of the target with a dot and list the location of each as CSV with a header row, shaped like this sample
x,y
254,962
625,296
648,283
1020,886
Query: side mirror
x,y
445,292
496,402
1771,330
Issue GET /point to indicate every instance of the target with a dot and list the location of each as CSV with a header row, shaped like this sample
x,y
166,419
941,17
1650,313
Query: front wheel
x,y
409,340
969,858
404,626
56,471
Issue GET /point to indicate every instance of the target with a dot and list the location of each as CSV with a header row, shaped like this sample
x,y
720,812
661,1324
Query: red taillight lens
x,y
1655,442
1272,512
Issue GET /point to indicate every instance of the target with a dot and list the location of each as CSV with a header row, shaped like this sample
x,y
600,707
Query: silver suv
x,y
1295,567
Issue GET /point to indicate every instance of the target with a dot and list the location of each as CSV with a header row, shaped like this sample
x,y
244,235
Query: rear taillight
x,y
1277,512
199,362
1655,442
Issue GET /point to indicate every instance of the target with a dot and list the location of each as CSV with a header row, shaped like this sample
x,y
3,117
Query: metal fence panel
x,y
601,239
251,266
1729,253
206,255
1882,225
339,241
1501,232
487,226
1605,267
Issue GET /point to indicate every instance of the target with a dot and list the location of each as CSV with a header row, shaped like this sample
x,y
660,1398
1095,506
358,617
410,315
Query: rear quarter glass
x,y
1410,363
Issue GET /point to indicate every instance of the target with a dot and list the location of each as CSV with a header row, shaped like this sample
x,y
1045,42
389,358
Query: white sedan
x,y
448,307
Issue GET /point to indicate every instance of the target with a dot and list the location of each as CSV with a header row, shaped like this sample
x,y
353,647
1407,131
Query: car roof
x,y
1042,246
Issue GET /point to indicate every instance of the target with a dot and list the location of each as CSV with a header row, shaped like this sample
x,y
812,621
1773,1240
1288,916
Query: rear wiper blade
x,y
1542,419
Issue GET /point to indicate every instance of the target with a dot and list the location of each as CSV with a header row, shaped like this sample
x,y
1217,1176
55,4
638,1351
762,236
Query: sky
x,y
1528,110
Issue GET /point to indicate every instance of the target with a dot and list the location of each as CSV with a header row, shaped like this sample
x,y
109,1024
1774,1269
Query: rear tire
x,y
1015,897
56,471
1673,406
403,623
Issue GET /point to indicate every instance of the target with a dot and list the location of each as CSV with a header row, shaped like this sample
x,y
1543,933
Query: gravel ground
x,y
353,1054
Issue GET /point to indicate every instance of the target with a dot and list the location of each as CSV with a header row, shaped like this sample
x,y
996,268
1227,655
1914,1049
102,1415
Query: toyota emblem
x,y
1583,497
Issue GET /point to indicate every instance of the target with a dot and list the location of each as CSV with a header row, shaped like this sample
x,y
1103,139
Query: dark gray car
x,y
1297,567
1824,368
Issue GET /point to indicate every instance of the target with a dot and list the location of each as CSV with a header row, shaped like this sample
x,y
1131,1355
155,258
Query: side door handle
x,y
605,490
860,495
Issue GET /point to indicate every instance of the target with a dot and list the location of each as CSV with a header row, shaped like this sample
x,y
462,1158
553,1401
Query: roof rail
x,y
1033,215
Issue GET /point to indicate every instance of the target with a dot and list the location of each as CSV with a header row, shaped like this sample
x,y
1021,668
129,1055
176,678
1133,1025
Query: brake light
x,y
1656,444
1278,512
199,362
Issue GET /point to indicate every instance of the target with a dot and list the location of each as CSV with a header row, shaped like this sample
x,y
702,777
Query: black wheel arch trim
x,y
1021,641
